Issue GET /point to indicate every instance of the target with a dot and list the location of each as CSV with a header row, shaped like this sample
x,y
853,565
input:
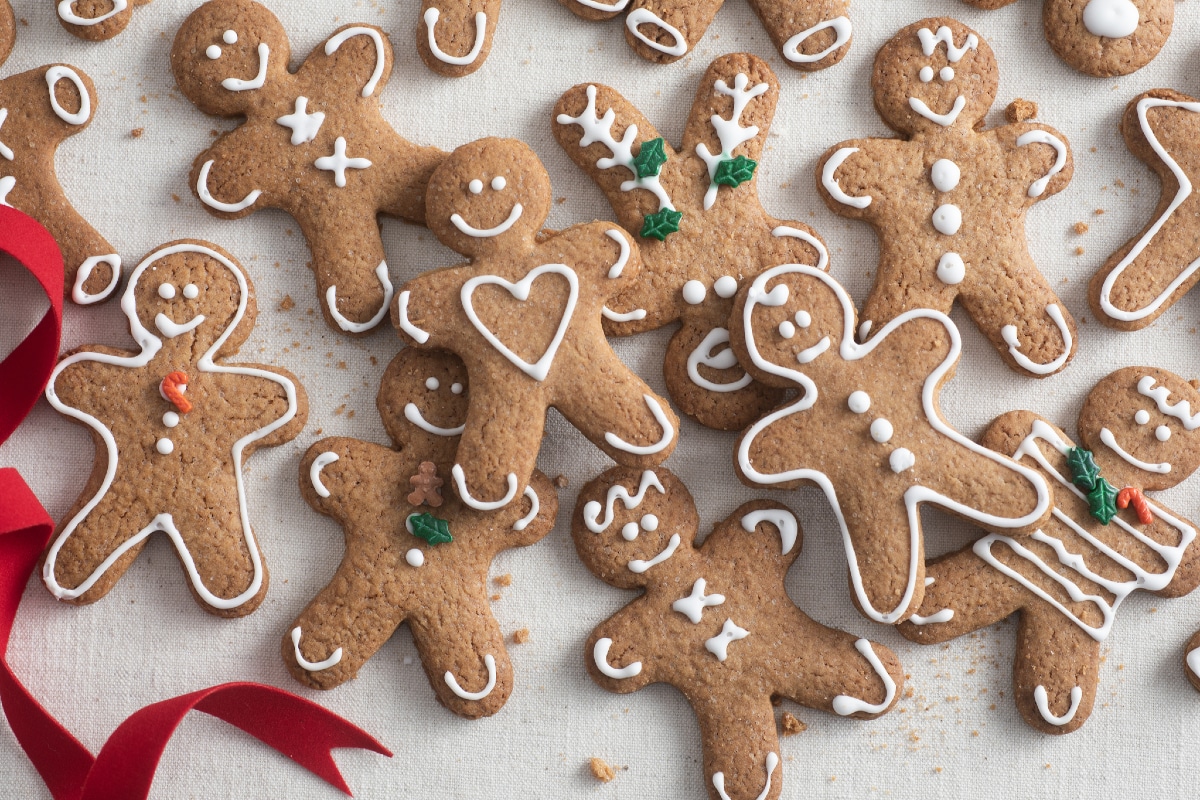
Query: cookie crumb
x,y
791,726
560,200
287,303
137,132
1195,384
1078,251
1099,211
601,771
520,636
504,580
1081,228
176,198
1120,184
561,481
495,597
1020,110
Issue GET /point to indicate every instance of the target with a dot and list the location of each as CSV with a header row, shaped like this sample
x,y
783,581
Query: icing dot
x,y
947,219
1141,417
170,419
881,430
415,558
693,293
947,74
859,402
786,329
191,292
166,291
165,446
499,183
1113,19
945,174
726,286
951,270
213,52
649,523
803,319
901,459
432,384
926,74
456,388
476,186
630,531
1162,433
229,37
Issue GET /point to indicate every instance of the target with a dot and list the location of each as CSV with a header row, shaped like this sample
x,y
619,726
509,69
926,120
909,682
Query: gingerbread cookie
x,y
454,38
1191,661
867,430
948,201
1158,266
810,34
314,144
39,109
95,20
525,316
703,229
419,560
173,425
716,622
1103,37
1106,538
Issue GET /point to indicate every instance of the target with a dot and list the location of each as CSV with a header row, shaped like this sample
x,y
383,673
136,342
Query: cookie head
x,y
932,75
225,52
1145,418
630,522
487,196
423,402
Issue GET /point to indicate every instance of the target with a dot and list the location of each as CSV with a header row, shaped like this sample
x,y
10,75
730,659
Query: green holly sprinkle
x,y
734,171
428,527
661,223
650,158
1102,501
1084,472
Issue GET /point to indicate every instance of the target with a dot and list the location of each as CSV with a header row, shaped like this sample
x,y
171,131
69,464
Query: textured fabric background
x,y
957,735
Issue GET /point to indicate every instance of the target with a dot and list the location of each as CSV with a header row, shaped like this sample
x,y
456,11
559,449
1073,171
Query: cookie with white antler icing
x,y
95,20
948,199
415,557
1105,539
173,425
715,621
702,229
525,315
314,143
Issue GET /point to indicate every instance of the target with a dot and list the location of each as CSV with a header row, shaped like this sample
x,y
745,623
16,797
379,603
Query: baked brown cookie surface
x,y
95,20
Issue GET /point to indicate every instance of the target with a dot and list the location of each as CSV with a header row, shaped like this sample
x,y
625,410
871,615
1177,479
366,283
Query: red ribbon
x,y
124,770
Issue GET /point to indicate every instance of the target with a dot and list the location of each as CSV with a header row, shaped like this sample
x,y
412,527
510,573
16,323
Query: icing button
x,y
945,174
415,558
165,446
951,270
947,219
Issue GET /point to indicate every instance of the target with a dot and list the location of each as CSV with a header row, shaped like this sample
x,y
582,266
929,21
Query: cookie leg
x,y
884,552
899,288
463,653
1055,670
665,31
220,559
352,281
810,35
1025,321
498,450
741,747
89,555
837,672
963,593
455,37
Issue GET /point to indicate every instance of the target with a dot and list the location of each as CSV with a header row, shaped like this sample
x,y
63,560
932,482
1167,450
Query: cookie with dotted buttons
x,y
95,20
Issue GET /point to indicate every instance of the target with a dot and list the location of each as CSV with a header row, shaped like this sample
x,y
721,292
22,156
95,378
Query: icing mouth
x,y
485,233
638,566
1106,436
170,328
413,415
945,120
241,85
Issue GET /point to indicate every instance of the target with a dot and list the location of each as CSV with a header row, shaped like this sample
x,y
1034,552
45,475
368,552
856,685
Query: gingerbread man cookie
x,y
1103,37
716,622
1158,266
1104,540
95,20
454,38
173,425
867,430
39,109
408,562
314,144
948,201
810,34
703,229
525,316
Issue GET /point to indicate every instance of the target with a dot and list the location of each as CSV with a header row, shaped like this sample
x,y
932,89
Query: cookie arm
x,y
741,747
810,35
272,400
229,184
363,52
1040,159
838,672
963,594
762,534
454,38
617,661
851,175
340,475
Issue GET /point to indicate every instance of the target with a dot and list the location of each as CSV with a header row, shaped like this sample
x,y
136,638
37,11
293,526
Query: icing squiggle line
x,y
1060,157
591,510
638,566
1106,436
336,41
67,14
954,54
945,615
841,29
722,360
719,779
1181,411
314,472
418,335
647,450
622,258
600,656
56,74
313,666
783,520
205,197
535,506
623,316
414,415
381,272
945,120
845,705
613,7
1043,705
730,132
1193,662
460,482
431,18
833,187
644,16
487,233
452,682
1009,334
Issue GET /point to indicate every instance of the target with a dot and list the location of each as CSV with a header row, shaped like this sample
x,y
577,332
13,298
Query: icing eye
x,y
191,292
947,74
859,402
926,74
229,37
1141,417
213,52
1162,433
803,319
456,388
726,286
649,523
432,384
166,291
499,183
630,531
786,329
476,186
693,293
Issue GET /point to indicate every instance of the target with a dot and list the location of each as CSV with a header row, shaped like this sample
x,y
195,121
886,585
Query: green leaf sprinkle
x,y
650,158
430,528
734,171
1084,472
661,223
1102,501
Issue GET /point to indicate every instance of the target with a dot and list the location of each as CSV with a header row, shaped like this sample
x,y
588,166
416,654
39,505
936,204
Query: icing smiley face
x,y
423,400
185,302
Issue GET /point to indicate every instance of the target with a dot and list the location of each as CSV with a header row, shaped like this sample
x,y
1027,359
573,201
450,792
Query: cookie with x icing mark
x,y
810,34
39,109
715,621
95,20
948,199
524,314
454,37
420,558
867,429
1105,539
173,425
702,229
314,143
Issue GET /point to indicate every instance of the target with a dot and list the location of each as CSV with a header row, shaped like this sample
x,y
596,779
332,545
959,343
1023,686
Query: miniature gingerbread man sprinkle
x,y
165,465
427,486
405,563
455,36
525,317
949,201
868,431
314,144
39,109
720,234
1157,267
810,34
1068,579
95,20
716,622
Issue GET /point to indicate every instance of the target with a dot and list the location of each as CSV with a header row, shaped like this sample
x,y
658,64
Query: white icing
x,y
726,286
229,37
646,450
937,618
703,354
945,120
381,272
431,18
312,666
638,566
539,369
809,354
730,132
925,74
213,52
951,270
260,78
803,319
644,16
901,459
415,558
630,531
694,604
1193,662
859,402
600,656
846,705
314,471
452,682
945,174
170,328
432,384
649,522
1043,705
534,507
460,483
335,42
881,431
166,291
1141,417
413,415
1162,433
7,184
851,350
499,182
841,29
456,388
1060,157
67,13
954,54
304,126
947,219
694,292
1181,411
56,74
210,201
487,233
786,330
591,511
1110,441
783,520
719,779
830,182
475,186
614,7
80,295
617,268
165,446
338,163
150,345
623,316
170,419
1113,19
1009,333
418,335
947,74
719,644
